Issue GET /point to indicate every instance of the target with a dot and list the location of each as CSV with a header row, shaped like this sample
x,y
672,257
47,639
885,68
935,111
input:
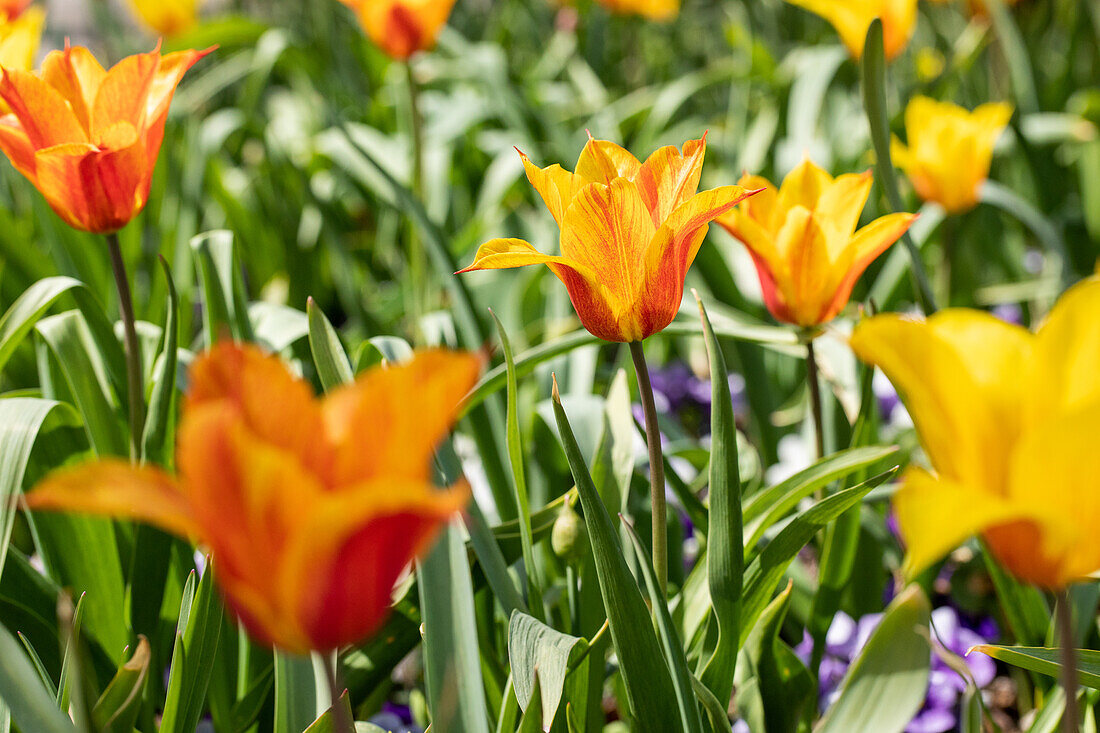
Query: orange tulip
x,y
652,9
312,508
87,138
1009,421
950,149
852,18
629,233
803,240
13,8
402,27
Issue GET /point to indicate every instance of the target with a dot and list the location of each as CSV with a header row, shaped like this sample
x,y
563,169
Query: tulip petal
x,y
168,75
603,161
42,111
803,186
669,177
936,515
839,208
92,190
762,207
1067,354
868,243
346,557
114,488
124,93
958,375
389,423
17,146
76,74
555,184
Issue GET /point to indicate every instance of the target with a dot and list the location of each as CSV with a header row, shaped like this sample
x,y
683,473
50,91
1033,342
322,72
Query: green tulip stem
x,y
814,381
1069,662
342,722
417,284
656,466
136,391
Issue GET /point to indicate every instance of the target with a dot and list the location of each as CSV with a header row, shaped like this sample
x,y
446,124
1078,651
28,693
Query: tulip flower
x,y
402,27
13,8
852,18
950,150
19,39
1009,421
629,233
652,9
312,508
803,240
167,17
87,138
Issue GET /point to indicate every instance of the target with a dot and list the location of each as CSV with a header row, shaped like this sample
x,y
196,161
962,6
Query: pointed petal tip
x,y
554,394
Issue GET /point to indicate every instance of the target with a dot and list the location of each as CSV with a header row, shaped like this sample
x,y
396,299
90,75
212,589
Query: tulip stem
x,y
342,722
1064,622
416,182
134,382
656,466
815,399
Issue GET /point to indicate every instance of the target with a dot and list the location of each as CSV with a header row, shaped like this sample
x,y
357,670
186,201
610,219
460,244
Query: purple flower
x,y
1009,313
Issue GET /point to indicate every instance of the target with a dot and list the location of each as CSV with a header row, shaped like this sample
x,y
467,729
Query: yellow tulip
x,y
950,150
852,18
167,17
1009,421
803,240
652,9
629,233
19,39
402,27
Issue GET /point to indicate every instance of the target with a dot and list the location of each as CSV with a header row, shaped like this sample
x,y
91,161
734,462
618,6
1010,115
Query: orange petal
x,y
390,421
169,73
276,406
602,161
342,565
42,111
17,146
868,243
124,92
76,74
114,488
94,191
670,177
402,27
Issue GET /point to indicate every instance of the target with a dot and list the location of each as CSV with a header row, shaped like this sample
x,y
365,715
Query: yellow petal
x,y
959,376
862,249
1067,355
669,177
803,245
803,186
839,208
603,161
936,515
556,185
76,75
117,489
762,207
167,17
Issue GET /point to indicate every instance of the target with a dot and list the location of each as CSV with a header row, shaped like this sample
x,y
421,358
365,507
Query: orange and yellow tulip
x,y
1009,421
311,508
167,17
19,39
950,150
13,8
852,18
803,240
402,27
652,9
629,233
87,138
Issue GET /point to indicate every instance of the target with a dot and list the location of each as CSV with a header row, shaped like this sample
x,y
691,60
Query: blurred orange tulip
x,y
950,149
629,233
652,9
1009,420
167,17
852,18
803,240
87,138
312,508
402,27
13,8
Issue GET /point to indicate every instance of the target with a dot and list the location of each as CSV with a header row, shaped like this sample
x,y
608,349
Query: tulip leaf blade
x,y
28,308
29,703
540,658
296,678
197,635
647,678
725,533
225,307
333,367
117,709
885,686
1045,660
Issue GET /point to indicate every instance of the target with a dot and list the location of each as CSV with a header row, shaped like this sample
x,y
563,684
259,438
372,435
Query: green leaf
x,y
725,539
767,507
297,679
20,318
670,642
766,569
224,302
117,709
1045,660
885,687
874,101
535,649
452,667
248,708
157,443
531,722
646,676
329,356
519,483
328,722
1016,56
197,634
31,706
